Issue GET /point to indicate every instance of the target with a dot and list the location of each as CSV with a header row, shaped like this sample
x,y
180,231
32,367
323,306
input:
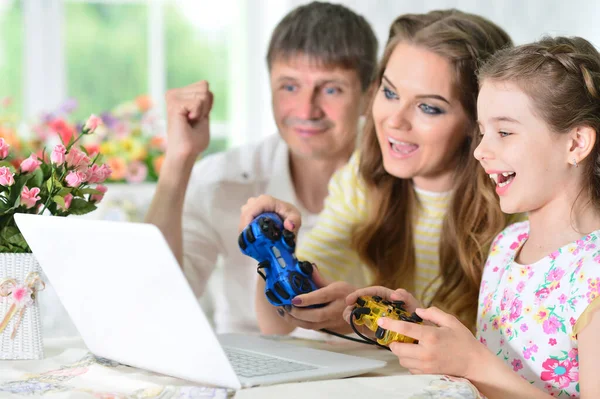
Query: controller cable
x,y
355,313
364,339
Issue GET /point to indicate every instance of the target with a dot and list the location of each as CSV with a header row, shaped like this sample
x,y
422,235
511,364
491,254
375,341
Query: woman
x,y
412,208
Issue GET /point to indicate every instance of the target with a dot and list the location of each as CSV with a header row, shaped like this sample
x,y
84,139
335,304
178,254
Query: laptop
x,y
127,296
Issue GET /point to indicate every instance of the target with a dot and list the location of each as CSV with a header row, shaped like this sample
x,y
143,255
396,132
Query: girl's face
x,y
419,119
527,161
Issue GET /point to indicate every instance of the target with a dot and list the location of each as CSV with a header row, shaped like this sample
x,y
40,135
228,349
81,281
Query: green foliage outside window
x,y
11,54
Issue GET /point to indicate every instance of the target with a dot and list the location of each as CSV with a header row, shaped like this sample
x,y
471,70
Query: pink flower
x,y
527,352
7,178
495,324
30,197
574,357
63,129
524,327
560,372
106,171
58,154
483,341
77,159
30,164
521,286
551,325
75,178
98,174
552,341
515,309
542,294
68,199
137,172
3,149
92,123
98,197
517,364
21,296
562,299
555,274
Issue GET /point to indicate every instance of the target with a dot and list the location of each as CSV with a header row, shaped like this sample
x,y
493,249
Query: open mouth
x,y
503,179
401,147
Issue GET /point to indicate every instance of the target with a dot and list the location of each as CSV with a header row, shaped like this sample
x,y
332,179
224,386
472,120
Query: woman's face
x,y
420,122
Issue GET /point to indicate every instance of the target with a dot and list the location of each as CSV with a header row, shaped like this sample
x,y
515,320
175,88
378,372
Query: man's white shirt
x,y
220,185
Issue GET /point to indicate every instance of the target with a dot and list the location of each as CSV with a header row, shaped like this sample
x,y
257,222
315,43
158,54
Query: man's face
x,y
316,108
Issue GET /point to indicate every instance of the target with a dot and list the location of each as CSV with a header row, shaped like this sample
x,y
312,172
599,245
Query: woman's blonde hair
x,y
385,242
561,77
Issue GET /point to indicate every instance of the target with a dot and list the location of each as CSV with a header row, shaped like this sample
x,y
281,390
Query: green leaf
x,y
7,164
37,179
59,200
46,170
15,189
81,207
12,239
91,191
49,185
64,191
57,183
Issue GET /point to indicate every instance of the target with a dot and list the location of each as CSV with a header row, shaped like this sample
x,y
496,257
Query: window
x,y
106,50
197,47
11,54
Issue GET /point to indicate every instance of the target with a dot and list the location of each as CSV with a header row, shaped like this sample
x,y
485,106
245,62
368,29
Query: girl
x,y
539,116
411,208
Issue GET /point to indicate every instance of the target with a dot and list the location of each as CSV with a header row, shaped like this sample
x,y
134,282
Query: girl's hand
x,y
410,302
447,347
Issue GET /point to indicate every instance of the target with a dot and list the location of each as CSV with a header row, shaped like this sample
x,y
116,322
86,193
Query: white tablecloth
x,y
70,371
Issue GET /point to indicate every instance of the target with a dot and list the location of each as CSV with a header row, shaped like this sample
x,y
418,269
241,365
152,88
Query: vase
x,y
20,322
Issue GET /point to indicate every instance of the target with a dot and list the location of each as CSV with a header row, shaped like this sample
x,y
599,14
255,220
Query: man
x,y
321,59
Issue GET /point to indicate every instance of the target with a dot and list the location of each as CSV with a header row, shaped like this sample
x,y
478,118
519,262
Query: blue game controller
x,y
266,240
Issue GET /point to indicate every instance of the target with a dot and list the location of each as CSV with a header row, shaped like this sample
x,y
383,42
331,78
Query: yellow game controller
x,y
369,309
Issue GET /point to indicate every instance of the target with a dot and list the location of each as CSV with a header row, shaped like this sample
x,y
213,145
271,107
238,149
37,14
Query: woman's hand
x,y
265,203
332,294
445,347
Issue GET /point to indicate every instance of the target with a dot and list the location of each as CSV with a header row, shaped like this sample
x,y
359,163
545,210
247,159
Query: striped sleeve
x,y
328,244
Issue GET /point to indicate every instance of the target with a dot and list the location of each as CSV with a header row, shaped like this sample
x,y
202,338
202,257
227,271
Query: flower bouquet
x,y
68,181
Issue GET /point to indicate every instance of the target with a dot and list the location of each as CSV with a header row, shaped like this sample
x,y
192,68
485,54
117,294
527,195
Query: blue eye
x,y
390,95
289,88
428,109
504,134
331,90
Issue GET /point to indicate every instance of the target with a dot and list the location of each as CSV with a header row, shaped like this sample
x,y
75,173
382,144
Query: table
x,y
71,371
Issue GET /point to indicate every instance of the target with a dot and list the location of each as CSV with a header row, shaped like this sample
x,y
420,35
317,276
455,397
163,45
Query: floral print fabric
x,y
527,313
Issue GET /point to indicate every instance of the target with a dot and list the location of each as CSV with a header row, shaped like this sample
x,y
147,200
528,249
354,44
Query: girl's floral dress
x,y
528,314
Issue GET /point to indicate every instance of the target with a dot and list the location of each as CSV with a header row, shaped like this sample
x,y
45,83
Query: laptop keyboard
x,y
249,364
